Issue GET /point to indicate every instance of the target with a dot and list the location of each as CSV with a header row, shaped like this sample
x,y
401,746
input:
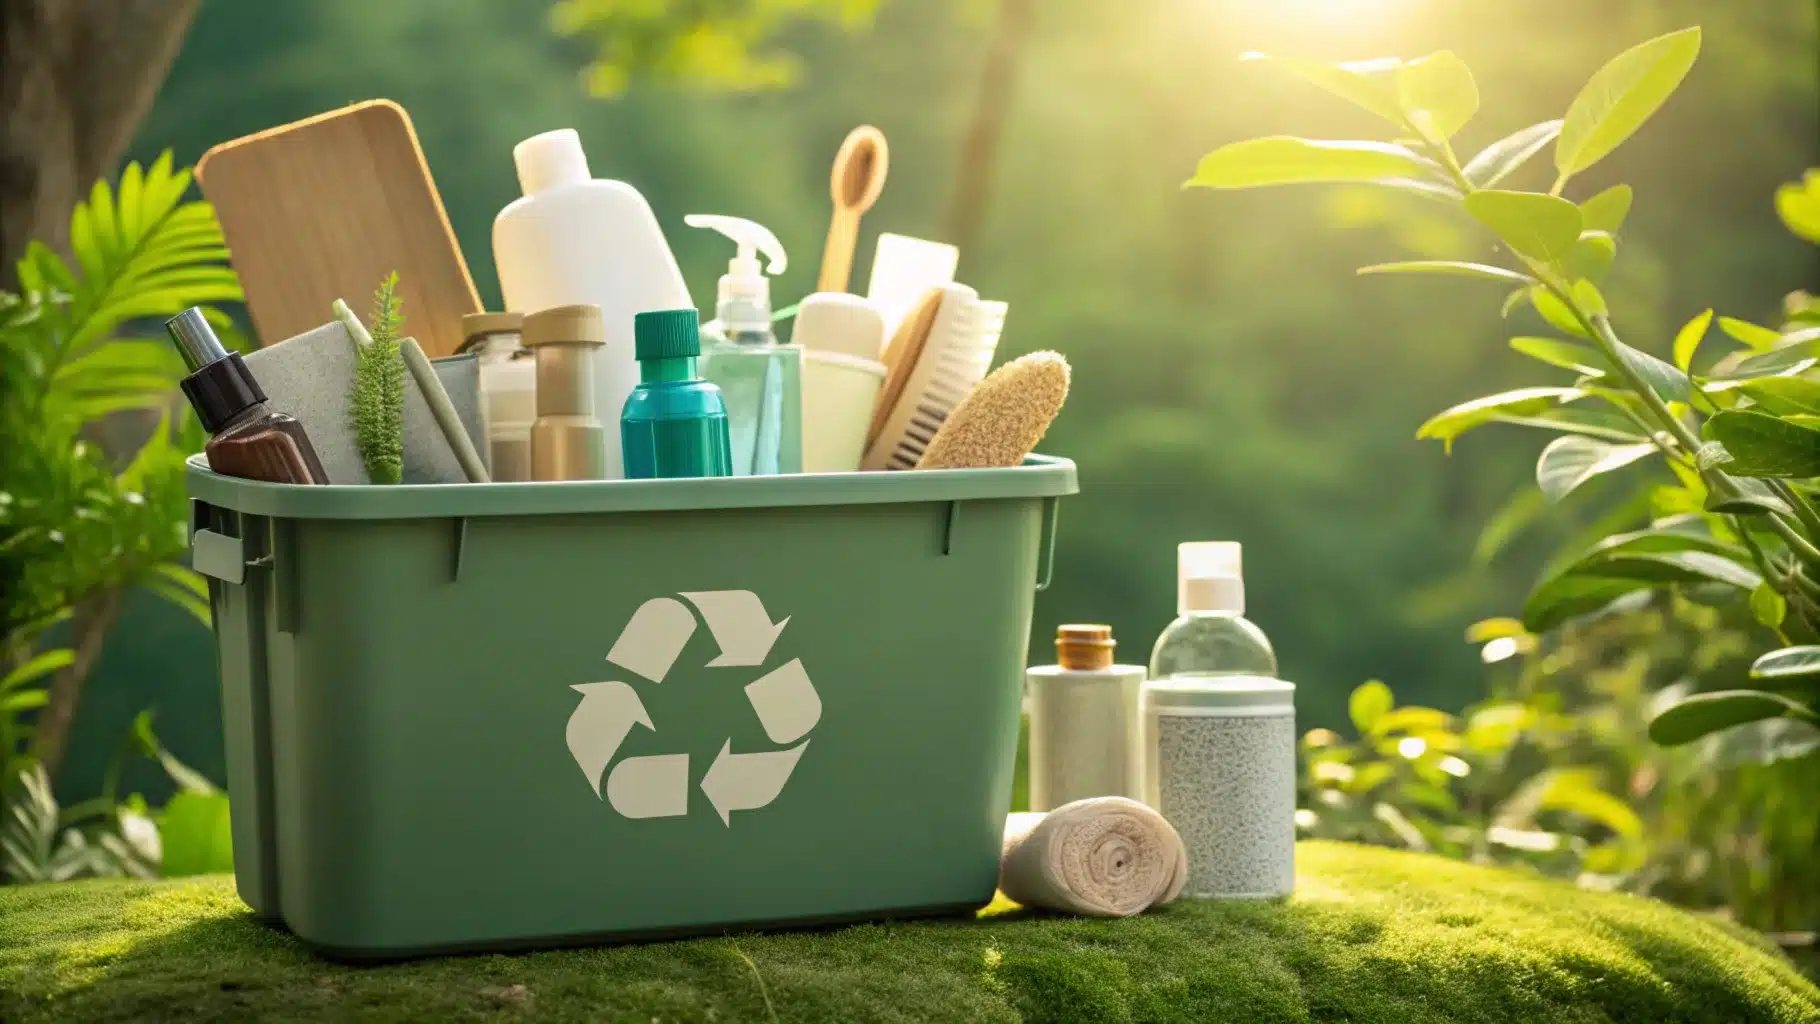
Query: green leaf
x,y
1762,445
1590,300
1556,313
1565,354
1494,629
1570,461
1688,338
1711,455
1452,268
1798,204
1499,160
187,779
1592,256
1706,713
1783,395
24,700
1621,96
197,835
1663,378
1368,84
1451,423
37,668
1522,509
1560,598
1542,227
1607,210
1437,94
1752,335
1577,792
183,588
1369,703
1737,495
1768,607
1285,160
1787,663
1412,720
1791,350
1684,536
1677,567
1567,419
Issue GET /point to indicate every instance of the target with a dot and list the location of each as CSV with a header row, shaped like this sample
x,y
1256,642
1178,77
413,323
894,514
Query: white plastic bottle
x,y
1219,735
577,240
1211,636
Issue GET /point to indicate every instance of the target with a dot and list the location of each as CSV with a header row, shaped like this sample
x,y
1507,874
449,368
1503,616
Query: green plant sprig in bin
x,y
1741,437
378,399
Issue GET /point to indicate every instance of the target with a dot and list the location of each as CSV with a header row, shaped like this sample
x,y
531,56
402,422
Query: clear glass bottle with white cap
x,y
1211,636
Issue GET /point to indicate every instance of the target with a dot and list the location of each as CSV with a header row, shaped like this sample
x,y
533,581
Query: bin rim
x,y
1040,476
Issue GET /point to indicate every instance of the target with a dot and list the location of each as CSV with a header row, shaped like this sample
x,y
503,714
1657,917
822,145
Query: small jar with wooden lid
x,y
1086,738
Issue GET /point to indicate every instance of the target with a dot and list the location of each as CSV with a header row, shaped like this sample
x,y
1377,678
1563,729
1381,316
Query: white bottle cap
x,y
840,322
551,159
1210,594
1210,577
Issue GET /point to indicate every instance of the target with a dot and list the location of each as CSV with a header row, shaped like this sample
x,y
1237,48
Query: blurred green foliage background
x,y
1233,379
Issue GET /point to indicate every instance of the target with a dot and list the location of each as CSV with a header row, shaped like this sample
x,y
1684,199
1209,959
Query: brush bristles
x,y
1005,417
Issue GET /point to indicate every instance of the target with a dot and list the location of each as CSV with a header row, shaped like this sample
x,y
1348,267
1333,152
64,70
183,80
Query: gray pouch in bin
x,y
311,377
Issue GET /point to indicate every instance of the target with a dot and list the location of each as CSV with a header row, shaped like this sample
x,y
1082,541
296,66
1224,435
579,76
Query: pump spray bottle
x,y
759,377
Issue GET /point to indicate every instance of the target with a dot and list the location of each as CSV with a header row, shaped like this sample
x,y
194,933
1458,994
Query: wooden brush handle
x,y
837,257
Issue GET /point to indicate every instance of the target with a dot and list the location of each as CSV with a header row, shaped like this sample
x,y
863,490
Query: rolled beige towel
x,y
1105,856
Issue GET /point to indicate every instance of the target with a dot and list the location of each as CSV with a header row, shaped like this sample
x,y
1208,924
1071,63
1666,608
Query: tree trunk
x,y
76,78
94,617
974,178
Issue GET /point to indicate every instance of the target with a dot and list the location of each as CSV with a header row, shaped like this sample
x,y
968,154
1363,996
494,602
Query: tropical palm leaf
x,y
140,251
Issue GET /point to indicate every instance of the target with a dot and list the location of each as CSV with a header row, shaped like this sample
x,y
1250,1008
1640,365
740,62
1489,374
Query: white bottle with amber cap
x,y
1085,738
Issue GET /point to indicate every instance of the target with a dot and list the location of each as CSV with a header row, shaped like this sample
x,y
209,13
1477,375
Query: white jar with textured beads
x,y
1220,766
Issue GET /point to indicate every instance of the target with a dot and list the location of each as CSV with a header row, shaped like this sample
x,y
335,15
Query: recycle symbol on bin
x,y
657,785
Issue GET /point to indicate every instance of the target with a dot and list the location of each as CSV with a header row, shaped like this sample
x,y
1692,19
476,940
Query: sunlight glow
x,y
1497,650
1332,15
1412,747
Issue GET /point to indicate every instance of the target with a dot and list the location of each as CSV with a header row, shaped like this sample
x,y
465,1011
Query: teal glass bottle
x,y
674,423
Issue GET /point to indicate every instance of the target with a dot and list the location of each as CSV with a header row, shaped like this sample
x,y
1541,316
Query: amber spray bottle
x,y
247,439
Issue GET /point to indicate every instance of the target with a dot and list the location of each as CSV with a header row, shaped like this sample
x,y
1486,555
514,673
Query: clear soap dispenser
x,y
759,377
1211,636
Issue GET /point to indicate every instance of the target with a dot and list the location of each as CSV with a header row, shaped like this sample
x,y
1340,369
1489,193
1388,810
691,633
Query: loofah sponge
x,y
1004,418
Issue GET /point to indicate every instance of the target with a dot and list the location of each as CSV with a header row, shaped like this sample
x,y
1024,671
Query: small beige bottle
x,y
568,441
1085,732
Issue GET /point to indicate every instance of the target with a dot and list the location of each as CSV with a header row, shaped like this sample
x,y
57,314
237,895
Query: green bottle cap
x,y
667,334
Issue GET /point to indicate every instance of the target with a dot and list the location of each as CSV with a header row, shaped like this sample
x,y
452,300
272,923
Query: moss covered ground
x,y
1371,936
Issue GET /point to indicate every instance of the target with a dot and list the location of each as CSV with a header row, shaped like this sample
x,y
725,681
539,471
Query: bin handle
x,y
1045,553
218,555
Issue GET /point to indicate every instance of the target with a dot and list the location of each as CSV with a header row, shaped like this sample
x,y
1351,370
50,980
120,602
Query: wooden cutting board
x,y
325,208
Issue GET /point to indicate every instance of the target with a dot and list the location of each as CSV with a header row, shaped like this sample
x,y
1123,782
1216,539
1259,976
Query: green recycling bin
x,y
490,716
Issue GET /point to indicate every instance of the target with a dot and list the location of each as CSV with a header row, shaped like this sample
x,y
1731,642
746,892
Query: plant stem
x,y
1803,508
1765,564
1600,326
1801,546
94,617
